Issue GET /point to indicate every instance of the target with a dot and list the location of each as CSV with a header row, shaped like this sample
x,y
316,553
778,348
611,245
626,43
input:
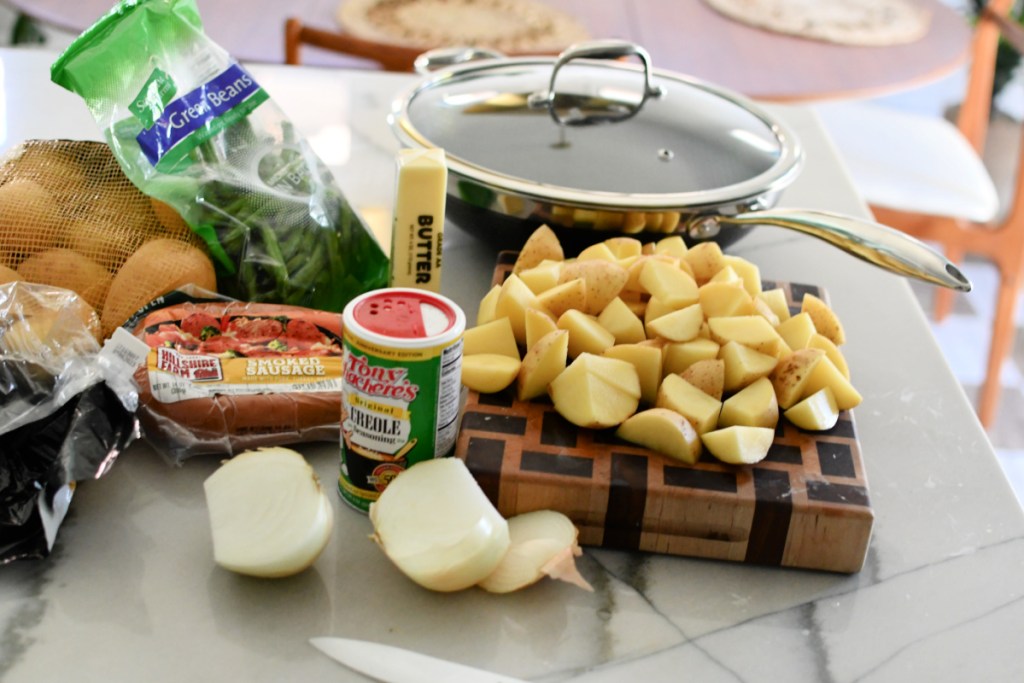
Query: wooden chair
x,y
389,57
926,177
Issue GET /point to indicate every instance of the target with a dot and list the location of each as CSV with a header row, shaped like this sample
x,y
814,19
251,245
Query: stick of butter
x,y
417,228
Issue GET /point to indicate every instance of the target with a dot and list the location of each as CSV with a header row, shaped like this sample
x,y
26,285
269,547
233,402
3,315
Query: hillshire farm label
x,y
177,376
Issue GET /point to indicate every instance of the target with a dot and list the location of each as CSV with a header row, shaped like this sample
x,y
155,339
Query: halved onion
x,y
543,544
435,523
268,513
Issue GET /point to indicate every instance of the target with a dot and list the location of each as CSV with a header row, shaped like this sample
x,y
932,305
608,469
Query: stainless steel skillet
x,y
588,141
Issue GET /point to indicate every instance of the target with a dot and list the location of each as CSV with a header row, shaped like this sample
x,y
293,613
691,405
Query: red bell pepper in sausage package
x,y
191,126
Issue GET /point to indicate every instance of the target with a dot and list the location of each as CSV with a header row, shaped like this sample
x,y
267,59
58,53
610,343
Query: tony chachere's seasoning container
x,y
401,387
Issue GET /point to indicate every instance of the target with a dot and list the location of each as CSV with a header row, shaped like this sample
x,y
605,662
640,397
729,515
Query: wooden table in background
x,y
682,35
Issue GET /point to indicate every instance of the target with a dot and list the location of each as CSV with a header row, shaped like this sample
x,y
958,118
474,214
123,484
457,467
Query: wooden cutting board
x,y
805,505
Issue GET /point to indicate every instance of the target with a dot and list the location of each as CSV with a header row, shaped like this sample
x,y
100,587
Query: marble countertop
x,y
131,591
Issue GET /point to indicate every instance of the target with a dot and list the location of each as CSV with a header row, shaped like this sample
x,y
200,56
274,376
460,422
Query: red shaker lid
x,y
405,313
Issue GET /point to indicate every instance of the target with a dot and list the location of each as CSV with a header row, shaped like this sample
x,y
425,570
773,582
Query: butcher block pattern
x,y
806,505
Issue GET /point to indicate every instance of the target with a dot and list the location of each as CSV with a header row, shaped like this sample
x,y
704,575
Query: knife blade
x,y
395,665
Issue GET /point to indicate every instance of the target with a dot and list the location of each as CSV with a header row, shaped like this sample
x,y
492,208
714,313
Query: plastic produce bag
x,y
59,421
191,127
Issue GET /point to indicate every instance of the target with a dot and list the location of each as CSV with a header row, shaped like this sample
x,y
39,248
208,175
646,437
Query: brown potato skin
x,y
229,424
69,270
157,267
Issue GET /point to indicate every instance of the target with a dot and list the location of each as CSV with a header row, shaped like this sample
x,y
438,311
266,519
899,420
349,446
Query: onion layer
x,y
435,523
543,544
269,516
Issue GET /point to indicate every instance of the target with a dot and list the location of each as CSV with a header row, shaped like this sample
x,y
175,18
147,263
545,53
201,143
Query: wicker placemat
x,y
873,23
510,26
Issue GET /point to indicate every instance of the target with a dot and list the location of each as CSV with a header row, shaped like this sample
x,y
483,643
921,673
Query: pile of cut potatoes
x,y
679,349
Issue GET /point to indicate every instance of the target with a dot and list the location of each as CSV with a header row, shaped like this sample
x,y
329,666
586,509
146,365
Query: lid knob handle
x,y
597,49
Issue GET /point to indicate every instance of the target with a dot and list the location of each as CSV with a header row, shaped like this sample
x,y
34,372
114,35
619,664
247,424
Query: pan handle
x,y
875,243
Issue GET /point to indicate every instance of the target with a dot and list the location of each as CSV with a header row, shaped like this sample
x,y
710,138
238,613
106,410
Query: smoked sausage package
x,y
219,377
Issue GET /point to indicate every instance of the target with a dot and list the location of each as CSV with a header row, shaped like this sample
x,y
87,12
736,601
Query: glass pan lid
x,y
692,145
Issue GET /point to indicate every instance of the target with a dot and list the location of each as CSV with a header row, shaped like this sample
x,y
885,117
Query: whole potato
x,y
8,274
106,242
169,218
69,270
158,267
29,220
50,163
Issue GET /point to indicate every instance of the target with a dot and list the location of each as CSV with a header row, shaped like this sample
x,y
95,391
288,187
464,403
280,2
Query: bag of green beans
x,y
191,127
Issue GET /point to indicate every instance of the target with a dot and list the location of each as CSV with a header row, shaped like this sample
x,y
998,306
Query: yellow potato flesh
x,y
597,252
678,357
564,297
542,277
743,365
797,331
664,280
585,333
677,326
618,319
485,311
672,245
679,395
765,311
513,301
739,445
820,341
494,337
754,406
664,431
734,359
826,374
723,299
750,330
624,247
748,272
647,361
776,300
489,373
587,400
538,324
542,364
817,412
726,275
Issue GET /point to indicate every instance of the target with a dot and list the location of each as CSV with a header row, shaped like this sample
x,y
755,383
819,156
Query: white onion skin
x,y
269,515
438,527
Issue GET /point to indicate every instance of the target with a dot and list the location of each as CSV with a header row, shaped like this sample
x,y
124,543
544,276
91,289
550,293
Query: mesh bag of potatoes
x,y
70,218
